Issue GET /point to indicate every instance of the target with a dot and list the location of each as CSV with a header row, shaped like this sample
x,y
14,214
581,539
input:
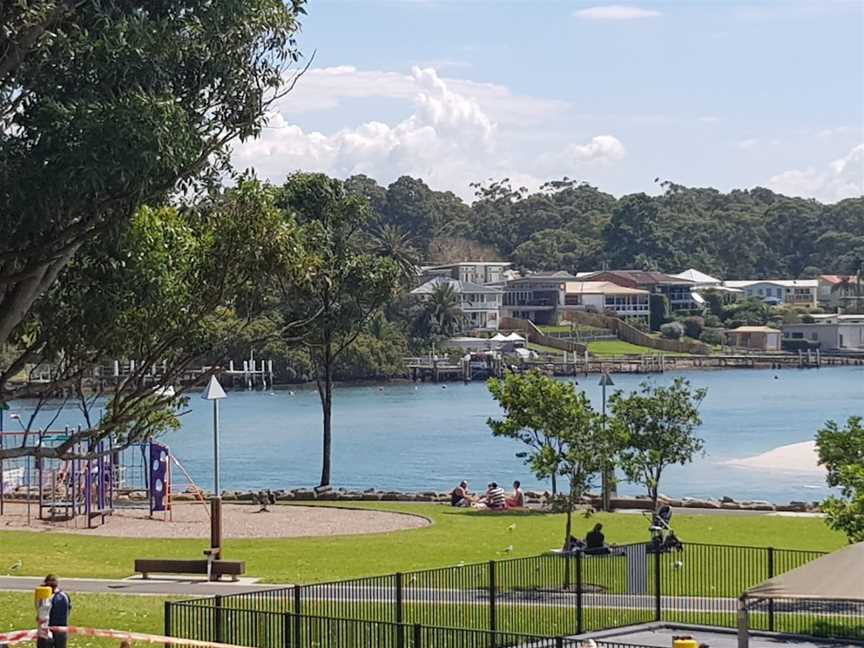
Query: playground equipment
x,y
94,482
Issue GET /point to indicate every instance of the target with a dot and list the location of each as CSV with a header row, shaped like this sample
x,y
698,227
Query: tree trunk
x,y
325,391
568,528
554,485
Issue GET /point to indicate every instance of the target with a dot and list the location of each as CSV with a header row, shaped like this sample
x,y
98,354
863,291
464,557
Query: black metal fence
x,y
548,595
267,629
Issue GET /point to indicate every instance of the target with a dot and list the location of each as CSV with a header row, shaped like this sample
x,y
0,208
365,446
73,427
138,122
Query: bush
x,y
712,321
638,323
693,326
713,336
672,330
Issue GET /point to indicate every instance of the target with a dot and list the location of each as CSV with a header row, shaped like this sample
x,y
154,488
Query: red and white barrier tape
x,y
19,636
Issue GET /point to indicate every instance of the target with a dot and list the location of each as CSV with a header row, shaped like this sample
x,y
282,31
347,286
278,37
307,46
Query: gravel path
x,y
190,520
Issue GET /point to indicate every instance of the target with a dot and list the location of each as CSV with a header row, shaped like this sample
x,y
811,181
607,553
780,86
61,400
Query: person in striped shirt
x,y
495,498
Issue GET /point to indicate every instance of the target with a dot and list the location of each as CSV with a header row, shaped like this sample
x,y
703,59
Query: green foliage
x,y
439,315
659,424
841,451
693,326
346,285
713,336
563,433
672,330
108,106
660,310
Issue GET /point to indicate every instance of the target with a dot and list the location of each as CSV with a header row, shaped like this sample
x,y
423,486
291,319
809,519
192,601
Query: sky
x,y
703,93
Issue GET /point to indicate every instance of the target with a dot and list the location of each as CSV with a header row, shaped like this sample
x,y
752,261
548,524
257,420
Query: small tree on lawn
x,y
659,424
564,434
841,451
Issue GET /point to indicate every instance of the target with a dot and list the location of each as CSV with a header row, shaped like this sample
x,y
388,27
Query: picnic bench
x,y
214,569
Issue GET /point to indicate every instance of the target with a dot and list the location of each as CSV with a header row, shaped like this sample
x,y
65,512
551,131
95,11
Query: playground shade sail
x,y
839,576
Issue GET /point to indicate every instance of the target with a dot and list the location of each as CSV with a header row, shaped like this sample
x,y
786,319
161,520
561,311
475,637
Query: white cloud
x,y
843,178
747,144
615,12
327,88
449,139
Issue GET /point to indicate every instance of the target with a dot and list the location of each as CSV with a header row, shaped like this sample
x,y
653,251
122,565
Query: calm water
x,y
425,437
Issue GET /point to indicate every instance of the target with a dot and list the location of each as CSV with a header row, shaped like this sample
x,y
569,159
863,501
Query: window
x,y
814,337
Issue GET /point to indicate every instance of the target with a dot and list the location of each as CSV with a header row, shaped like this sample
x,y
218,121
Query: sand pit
x,y
239,521
795,457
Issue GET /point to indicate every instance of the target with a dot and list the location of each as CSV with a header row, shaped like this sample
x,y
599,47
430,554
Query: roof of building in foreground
x,y
644,277
785,283
753,329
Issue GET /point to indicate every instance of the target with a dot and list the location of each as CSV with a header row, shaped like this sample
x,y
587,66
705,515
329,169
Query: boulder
x,y
303,495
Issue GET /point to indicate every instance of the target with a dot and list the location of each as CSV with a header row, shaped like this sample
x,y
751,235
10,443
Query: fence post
x,y
168,620
493,587
771,601
559,642
298,621
400,629
580,622
217,618
287,629
566,573
658,582
418,636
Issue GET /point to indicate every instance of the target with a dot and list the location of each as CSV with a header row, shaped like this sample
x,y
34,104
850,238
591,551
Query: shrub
x,y
713,336
798,344
712,321
638,323
693,326
672,330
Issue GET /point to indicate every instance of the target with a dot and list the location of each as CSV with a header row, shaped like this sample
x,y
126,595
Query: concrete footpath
x,y
137,585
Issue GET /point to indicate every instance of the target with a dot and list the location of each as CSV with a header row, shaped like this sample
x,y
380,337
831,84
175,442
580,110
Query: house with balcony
x,y
538,297
607,297
480,305
780,292
475,272
841,291
678,291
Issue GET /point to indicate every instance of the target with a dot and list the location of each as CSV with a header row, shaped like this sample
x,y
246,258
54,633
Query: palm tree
x,y
391,241
441,315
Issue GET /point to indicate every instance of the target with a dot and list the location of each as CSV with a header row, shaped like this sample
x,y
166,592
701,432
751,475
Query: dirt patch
x,y
191,520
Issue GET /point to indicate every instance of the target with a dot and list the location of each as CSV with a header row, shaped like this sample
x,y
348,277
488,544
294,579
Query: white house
x,y
831,332
602,296
779,292
479,304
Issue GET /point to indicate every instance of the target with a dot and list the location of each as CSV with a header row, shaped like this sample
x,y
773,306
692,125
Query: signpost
x,y
608,474
215,393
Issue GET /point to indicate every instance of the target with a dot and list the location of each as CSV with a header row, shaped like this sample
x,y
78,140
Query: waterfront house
x,y
537,297
476,272
606,297
480,305
757,338
677,290
841,291
780,292
830,332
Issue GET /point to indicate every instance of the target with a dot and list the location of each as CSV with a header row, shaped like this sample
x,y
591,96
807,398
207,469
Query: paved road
x,y
136,586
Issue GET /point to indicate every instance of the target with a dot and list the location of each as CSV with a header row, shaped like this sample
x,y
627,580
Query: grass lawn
x,y
620,347
455,536
106,611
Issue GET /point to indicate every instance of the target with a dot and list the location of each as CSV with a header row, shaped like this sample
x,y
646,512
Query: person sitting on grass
x,y
459,496
595,541
518,498
494,498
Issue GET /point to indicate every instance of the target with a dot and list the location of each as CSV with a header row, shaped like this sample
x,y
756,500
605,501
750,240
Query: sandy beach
x,y
795,457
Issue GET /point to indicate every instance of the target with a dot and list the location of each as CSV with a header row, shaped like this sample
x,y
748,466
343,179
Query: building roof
x,y
754,329
699,277
835,279
785,283
458,286
835,577
601,288
644,277
441,266
559,275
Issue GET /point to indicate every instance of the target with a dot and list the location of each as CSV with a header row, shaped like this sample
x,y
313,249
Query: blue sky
x,y
726,94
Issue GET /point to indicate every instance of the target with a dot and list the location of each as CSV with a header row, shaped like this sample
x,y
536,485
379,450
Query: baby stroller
x,y
663,538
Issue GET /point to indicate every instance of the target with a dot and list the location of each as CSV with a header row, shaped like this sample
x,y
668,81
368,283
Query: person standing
x,y
61,606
